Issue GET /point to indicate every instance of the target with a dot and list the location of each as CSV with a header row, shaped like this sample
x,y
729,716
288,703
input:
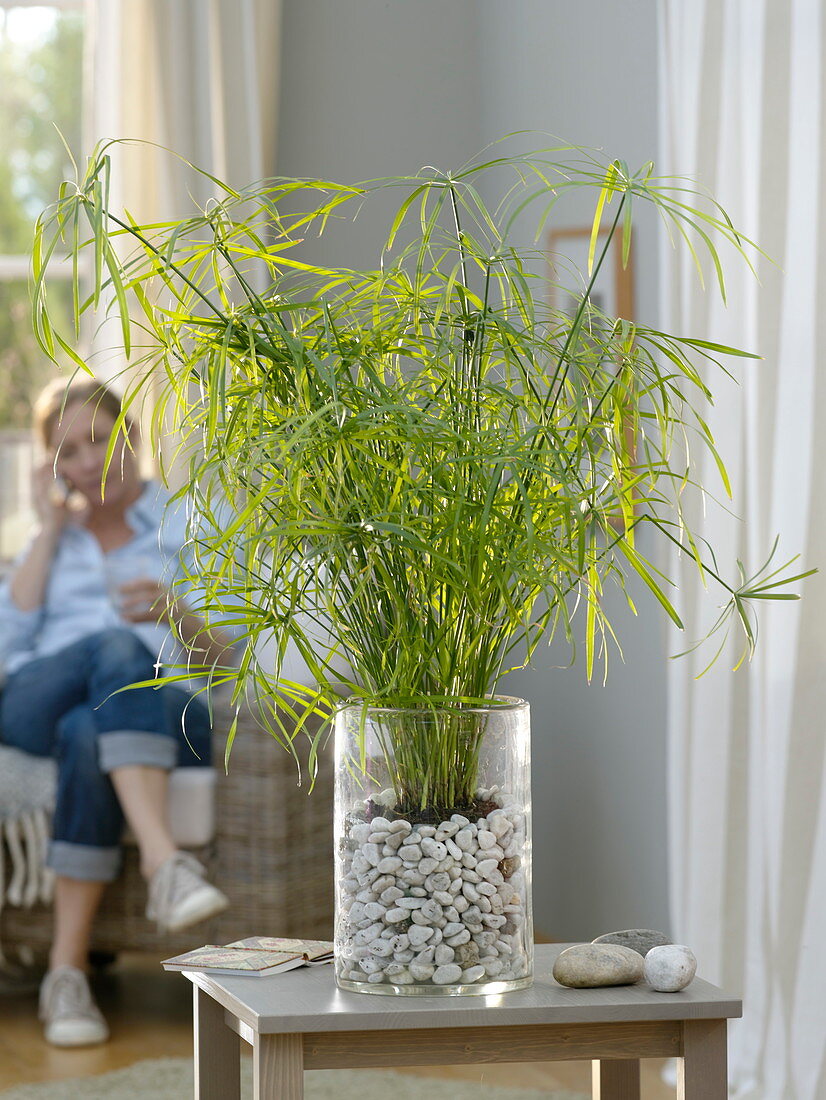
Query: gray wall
x,y
373,88
380,87
586,73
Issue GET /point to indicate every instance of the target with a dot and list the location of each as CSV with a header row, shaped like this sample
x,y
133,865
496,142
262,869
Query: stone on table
x,y
638,939
669,968
592,965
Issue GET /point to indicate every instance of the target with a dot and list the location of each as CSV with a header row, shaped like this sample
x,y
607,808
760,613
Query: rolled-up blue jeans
x,y
64,706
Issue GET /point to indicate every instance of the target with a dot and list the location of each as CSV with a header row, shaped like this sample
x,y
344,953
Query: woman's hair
x,y
60,394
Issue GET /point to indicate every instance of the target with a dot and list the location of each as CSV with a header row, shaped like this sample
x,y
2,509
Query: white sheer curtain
x,y
199,77
743,85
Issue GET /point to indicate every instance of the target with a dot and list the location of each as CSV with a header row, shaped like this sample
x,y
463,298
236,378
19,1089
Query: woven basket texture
x,y
272,856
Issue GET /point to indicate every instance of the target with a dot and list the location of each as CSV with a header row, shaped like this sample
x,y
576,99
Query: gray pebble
x,y
439,880
473,974
447,975
443,954
389,865
592,965
434,848
419,934
669,968
382,948
411,878
485,866
422,971
371,854
638,939
432,910
470,891
499,824
371,965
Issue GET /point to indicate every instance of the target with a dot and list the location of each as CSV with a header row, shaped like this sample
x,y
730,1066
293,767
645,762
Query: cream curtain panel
x,y
743,85
199,77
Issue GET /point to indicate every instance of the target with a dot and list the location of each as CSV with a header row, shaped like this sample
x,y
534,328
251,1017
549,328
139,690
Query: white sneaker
x,y
68,1010
179,896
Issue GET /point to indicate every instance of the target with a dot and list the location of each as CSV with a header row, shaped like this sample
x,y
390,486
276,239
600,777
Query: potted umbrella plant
x,y
414,474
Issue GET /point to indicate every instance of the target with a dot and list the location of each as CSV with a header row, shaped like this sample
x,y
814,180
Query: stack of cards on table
x,y
256,956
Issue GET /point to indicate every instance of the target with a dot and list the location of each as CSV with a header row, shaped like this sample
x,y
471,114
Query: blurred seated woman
x,y
86,611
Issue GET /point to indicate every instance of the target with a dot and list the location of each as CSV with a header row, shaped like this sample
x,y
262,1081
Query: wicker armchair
x,y
272,855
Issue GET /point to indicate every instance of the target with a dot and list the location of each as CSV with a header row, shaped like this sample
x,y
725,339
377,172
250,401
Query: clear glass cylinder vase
x,y
433,849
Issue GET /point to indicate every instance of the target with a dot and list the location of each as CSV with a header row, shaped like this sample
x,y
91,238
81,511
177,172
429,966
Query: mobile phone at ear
x,y
61,490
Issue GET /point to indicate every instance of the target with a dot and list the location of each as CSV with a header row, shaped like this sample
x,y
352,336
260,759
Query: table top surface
x,y
308,1000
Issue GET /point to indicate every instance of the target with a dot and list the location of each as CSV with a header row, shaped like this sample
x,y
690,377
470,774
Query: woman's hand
x,y
54,507
146,601
53,503
143,601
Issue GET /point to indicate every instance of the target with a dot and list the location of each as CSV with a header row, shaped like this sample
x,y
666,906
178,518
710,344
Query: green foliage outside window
x,y
40,92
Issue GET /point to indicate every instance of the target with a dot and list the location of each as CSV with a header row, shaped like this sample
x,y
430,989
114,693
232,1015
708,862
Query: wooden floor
x,y
150,1016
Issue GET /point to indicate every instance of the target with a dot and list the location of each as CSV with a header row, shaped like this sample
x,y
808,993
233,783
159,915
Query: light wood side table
x,y
300,1021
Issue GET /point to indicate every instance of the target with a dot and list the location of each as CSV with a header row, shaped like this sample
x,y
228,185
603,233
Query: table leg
x,y
217,1051
615,1079
703,1069
278,1067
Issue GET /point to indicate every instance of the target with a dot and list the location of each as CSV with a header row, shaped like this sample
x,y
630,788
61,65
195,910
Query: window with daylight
x,y
41,107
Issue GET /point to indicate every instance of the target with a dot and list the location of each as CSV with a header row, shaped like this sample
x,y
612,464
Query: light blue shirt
x,y
81,593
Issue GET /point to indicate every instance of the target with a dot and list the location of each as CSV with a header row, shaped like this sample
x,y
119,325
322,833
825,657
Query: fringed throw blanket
x,y
27,798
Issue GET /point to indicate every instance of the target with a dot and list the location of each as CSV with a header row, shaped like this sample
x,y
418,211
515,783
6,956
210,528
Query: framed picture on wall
x,y
613,289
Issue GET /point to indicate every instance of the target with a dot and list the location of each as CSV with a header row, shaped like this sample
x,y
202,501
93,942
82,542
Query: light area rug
x,y
171,1079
